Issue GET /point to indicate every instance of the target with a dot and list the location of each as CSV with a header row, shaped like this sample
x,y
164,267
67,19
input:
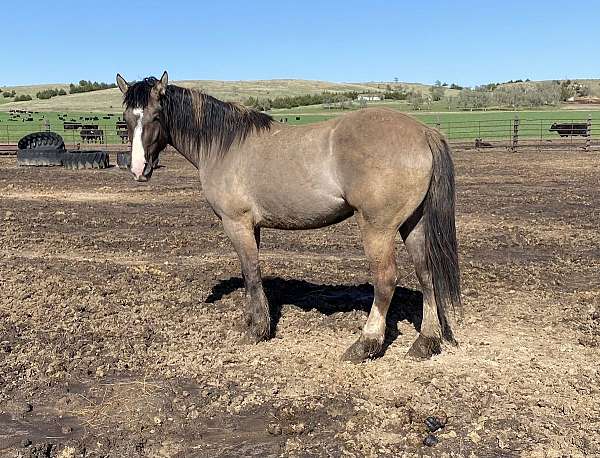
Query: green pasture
x,y
488,125
11,130
466,125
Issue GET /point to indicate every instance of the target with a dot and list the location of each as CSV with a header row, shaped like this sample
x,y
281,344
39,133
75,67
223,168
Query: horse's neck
x,y
179,142
192,157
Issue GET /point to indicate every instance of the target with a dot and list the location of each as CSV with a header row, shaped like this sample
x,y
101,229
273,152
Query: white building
x,y
369,97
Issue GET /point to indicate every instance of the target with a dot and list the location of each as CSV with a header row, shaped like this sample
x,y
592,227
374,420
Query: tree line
x,y
518,94
49,93
293,101
89,86
332,99
82,86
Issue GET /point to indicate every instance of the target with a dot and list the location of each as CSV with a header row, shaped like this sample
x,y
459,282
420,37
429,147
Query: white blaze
x,y
138,156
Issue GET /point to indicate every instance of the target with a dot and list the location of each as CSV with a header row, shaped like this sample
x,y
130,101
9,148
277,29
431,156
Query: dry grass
x,y
110,99
125,403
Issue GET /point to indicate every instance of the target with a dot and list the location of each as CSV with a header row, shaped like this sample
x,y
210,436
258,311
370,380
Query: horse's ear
x,y
123,85
161,86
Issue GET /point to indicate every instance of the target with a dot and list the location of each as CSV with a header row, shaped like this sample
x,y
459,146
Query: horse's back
x,y
383,161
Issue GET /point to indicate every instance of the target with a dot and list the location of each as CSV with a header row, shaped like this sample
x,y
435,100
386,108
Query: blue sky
x,y
468,42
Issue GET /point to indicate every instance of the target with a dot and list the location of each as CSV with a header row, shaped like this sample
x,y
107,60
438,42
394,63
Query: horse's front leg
x,y
245,241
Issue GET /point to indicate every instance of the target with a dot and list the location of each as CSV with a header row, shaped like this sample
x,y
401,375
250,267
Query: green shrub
x,y
298,100
88,86
49,93
23,98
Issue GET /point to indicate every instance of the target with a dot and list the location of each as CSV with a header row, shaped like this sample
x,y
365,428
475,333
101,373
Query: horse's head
x,y
145,122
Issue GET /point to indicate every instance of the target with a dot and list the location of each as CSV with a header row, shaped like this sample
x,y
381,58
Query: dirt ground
x,y
121,304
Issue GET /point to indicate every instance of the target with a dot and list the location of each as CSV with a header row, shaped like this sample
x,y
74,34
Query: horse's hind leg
x,y
379,244
245,239
430,338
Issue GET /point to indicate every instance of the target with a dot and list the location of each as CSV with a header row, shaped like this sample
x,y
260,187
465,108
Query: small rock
x,y
66,429
274,429
25,443
67,452
26,407
434,423
475,438
430,440
299,428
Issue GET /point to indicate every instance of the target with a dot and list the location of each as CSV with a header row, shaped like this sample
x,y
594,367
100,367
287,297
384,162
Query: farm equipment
x,y
48,149
41,149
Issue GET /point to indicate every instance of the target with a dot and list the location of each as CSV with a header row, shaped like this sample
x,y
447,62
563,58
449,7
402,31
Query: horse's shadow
x,y
407,304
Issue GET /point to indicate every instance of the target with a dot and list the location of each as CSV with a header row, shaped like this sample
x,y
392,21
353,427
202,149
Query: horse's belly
x,y
305,212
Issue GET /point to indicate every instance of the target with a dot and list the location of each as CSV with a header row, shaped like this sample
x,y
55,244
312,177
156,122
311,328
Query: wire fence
x,y
72,133
517,132
513,133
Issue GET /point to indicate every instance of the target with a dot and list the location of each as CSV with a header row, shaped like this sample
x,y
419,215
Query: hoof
x,y
363,349
425,347
249,338
258,329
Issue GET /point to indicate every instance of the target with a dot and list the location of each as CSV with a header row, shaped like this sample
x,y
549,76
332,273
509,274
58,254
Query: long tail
x,y
440,232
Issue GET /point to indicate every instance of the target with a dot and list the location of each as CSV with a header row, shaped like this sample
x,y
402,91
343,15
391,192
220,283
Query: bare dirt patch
x,y
120,306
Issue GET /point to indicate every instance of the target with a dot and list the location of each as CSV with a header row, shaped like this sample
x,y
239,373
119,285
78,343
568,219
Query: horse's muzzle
x,y
146,173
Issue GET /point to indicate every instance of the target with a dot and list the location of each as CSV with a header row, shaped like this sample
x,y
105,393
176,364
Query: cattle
x,y
71,125
567,129
91,134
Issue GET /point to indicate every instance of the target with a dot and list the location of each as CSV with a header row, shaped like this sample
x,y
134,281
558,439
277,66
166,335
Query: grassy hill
x,y
110,99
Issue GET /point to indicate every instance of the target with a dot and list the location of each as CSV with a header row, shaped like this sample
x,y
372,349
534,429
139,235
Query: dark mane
x,y
198,121
138,94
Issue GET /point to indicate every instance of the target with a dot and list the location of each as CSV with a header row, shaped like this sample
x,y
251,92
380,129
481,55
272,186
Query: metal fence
x,y
519,132
99,133
514,133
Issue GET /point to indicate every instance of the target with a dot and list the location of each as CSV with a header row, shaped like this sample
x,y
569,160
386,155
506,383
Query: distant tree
x,y
416,100
395,79
437,91
89,86
23,98
455,86
398,93
328,99
49,93
532,94
477,98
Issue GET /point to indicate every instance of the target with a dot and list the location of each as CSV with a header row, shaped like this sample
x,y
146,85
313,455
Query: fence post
x,y
588,137
515,134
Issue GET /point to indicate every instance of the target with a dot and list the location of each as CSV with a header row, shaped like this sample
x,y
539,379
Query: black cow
x,y
567,129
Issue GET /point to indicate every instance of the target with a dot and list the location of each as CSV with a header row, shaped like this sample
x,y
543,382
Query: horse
x,y
391,171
